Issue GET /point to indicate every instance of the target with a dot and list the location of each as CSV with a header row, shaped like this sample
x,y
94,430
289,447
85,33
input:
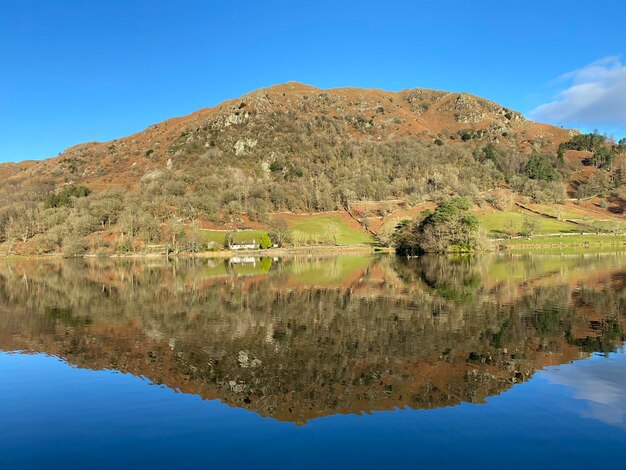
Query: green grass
x,y
313,228
496,223
248,235
316,227
557,212
569,240
216,236
607,223
219,236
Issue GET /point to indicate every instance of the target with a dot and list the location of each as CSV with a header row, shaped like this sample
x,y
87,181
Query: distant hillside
x,y
276,122
291,148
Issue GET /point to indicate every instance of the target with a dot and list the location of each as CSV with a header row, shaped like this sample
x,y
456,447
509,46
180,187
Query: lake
x,y
498,361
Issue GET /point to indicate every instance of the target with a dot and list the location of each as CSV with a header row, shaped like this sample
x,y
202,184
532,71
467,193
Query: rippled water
x,y
351,361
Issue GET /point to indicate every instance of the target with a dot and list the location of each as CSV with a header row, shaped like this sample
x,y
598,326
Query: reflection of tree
x,y
453,278
606,326
295,353
457,278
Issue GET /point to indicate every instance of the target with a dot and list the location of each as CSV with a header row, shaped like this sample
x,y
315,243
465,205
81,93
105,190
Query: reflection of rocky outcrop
x,y
288,345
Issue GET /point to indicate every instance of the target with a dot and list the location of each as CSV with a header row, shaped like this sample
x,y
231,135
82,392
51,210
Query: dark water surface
x,y
339,362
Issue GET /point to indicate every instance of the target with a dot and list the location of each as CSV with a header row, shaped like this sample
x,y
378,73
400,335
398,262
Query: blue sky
x,y
73,71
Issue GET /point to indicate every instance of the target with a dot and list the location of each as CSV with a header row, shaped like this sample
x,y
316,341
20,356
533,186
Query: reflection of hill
x,y
390,333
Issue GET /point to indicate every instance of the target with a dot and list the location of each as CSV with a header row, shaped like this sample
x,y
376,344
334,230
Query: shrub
x,y
64,196
539,167
529,226
75,246
266,242
589,142
450,227
279,232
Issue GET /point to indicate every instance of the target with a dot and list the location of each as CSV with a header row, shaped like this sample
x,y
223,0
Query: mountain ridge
x,y
453,112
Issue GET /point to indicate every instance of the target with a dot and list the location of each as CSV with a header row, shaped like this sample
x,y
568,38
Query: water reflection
x,y
600,385
301,338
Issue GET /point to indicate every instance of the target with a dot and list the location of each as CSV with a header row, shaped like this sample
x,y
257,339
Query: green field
x,y
219,236
496,223
309,230
557,211
607,224
216,236
243,236
567,240
326,228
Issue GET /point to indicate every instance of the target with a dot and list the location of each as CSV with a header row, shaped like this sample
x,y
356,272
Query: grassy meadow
x,y
325,229
498,223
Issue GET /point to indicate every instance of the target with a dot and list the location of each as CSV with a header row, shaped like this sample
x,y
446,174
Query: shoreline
x,y
565,241
575,242
270,252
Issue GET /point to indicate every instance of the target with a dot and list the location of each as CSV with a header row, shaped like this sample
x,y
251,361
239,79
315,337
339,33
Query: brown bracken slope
x,y
376,115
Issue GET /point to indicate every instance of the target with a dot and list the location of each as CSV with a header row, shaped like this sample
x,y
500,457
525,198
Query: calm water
x,y
346,362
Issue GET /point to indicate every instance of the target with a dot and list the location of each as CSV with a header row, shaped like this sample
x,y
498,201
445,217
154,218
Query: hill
x,y
264,116
292,149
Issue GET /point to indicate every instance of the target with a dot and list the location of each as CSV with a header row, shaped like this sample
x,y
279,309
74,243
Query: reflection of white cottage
x,y
243,260
253,245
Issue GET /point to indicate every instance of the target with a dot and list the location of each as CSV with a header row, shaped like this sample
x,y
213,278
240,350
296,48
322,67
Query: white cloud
x,y
599,383
591,97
